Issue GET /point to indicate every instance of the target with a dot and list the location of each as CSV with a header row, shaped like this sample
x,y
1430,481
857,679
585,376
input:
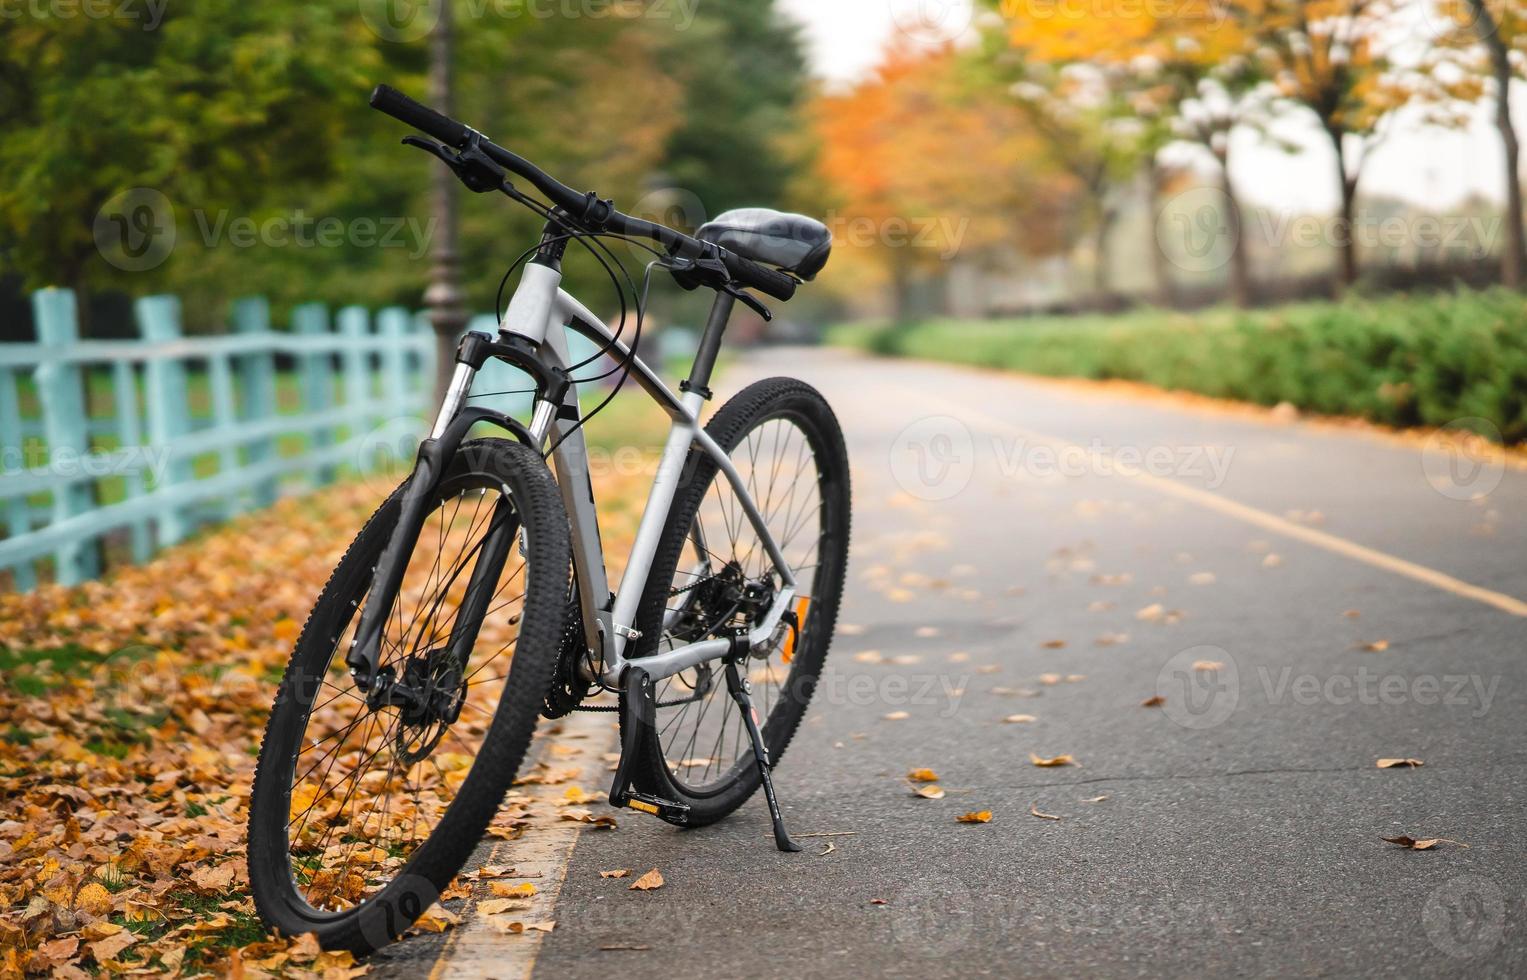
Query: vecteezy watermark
x,y
137,229
1196,231
410,20
944,234
1200,687
895,689
934,458
1371,687
91,464
932,21
933,916
1462,460
1465,917
1044,460
148,12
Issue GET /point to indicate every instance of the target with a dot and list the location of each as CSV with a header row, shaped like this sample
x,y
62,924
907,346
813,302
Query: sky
x,y
1425,165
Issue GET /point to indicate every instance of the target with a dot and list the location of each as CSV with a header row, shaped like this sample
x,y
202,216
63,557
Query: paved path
x,y
1027,548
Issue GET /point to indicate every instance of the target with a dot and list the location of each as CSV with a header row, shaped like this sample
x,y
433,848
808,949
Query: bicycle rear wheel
x,y
711,573
362,812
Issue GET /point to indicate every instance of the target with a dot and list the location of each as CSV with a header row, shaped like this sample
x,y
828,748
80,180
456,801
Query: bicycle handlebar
x,y
743,272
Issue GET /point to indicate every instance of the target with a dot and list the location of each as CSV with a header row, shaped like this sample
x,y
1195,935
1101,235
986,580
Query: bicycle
x,y
400,722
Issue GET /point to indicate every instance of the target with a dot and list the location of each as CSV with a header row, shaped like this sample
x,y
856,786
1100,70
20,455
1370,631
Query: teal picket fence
x,y
127,446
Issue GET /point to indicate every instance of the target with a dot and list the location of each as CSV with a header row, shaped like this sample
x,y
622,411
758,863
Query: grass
x,y
1401,361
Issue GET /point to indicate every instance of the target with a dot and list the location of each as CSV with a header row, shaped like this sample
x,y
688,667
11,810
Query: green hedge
x,y
1401,361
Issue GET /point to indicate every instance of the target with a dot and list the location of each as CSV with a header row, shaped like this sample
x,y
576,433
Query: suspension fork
x,y
434,457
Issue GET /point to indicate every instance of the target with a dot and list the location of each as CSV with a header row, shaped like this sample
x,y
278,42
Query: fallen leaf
x,y
498,906
1019,719
929,791
828,849
1034,809
1154,701
1352,614
504,889
1059,760
1400,763
107,949
617,873
1375,646
1112,639
877,901
975,816
1151,613
1207,665
923,776
1053,644
927,632
1425,844
896,716
1096,799
648,882
1202,578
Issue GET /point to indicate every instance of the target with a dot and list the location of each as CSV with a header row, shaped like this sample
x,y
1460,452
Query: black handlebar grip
x,y
421,117
746,272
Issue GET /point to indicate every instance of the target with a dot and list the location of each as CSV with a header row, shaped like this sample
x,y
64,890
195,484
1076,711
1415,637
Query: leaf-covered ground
x,y
130,717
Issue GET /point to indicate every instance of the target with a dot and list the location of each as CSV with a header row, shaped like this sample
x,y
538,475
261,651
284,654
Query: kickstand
x,y
739,689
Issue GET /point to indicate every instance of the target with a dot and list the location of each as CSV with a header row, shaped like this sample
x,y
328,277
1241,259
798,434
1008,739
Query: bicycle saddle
x,y
792,242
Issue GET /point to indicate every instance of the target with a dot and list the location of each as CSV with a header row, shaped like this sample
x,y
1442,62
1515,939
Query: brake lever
x,y
709,271
472,166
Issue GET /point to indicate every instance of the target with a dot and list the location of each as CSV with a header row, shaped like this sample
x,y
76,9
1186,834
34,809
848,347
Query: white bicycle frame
x,y
540,312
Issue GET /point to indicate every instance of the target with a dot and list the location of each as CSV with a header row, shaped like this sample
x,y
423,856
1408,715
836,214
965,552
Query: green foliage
x,y
1401,361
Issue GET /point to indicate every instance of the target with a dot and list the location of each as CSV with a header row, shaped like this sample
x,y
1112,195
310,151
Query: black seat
x,y
792,242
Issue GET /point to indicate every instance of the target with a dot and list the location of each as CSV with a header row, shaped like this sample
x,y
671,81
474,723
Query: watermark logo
x,y
934,458
934,917
135,230
1461,460
385,455
149,12
1194,229
1465,917
932,21
400,20
1201,687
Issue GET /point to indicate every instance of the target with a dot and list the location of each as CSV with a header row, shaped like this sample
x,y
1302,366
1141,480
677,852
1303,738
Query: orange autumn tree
x,y
925,166
1156,73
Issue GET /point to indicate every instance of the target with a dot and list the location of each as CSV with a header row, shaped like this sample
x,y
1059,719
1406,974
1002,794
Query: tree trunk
x,y
447,311
1515,245
1346,228
1235,229
1161,264
901,286
1102,283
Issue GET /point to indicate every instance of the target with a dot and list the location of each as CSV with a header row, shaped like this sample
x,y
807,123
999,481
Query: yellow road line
x,y
1260,518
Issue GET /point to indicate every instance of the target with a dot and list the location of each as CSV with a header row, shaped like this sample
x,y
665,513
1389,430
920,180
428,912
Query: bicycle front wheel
x,y
712,573
364,808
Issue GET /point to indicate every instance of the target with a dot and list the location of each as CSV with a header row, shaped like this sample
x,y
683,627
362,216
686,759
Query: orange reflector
x,y
800,623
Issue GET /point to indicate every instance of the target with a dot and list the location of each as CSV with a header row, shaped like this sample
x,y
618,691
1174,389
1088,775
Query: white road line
x,y
481,950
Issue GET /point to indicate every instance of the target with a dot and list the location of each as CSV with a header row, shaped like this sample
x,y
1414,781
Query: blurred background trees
x,y
1051,156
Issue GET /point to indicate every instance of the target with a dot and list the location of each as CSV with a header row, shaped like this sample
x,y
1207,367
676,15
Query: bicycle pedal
x,y
666,809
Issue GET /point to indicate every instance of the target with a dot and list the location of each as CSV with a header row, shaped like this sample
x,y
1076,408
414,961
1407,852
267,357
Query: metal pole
x,y
444,298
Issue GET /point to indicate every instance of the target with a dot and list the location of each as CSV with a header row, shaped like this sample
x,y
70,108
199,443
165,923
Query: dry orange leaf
x,y
1154,701
1034,809
1019,719
504,889
1207,665
1400,763
648,882
897,716
617,873
975,816
923,776
1059,760
929,791
1053,644
1375,646
1424,844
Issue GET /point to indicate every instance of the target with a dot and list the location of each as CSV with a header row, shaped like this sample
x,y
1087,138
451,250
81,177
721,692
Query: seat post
x,y
710,345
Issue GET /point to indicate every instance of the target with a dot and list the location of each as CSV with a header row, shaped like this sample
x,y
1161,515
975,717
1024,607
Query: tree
x,y
927,161
1485,38
1329,56
211,106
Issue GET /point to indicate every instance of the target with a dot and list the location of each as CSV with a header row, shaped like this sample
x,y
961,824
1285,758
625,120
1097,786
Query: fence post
x,y
393,324
312,320
124,383
61,389
220,380
169,410
257,384
354,325
18,516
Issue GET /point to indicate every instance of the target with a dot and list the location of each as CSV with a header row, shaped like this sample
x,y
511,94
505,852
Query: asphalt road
x,y
1028,548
